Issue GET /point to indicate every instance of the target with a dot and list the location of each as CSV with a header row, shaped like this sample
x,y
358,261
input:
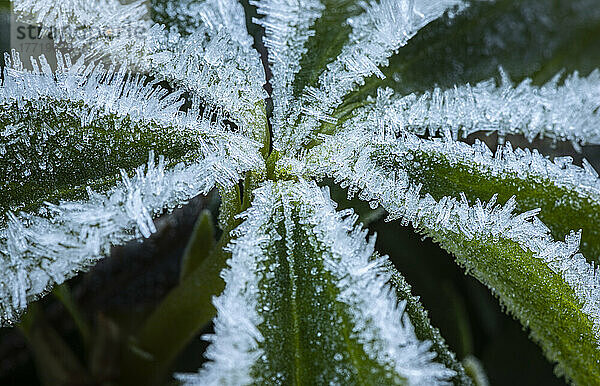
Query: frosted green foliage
x,y
331,32
216,62
528,38
483,235
287,29
110,121
376,34
220,71
302,276
306,299
568,195
568,112
423,328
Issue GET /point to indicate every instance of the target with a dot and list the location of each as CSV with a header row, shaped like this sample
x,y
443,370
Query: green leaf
x,y
475,370
544,283
330,34
50,155
563,207
305,303
201,244
526,288
531,38
534,39
211,58
566,194
304,326
74,146
423,328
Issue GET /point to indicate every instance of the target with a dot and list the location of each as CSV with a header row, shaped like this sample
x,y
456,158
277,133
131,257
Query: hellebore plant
x,y
377,96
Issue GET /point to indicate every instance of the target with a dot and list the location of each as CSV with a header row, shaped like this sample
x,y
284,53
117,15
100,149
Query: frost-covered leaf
x,y
330,33
423,328
374,35
535,39
305,302
569,196
565,112
287,28
213,58
528,38
80,139
215,62
514,255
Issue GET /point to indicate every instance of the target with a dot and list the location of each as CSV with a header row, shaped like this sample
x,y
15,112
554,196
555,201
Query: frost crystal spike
x,y
293,243
569,112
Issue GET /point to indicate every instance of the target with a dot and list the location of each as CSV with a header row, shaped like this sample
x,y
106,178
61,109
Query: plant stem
x,y
200,246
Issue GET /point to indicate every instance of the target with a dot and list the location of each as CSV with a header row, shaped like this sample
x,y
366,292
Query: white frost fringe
x,y
216,62
37,251
566,112
379,321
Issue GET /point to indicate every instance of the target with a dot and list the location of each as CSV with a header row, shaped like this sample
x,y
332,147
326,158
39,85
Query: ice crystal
x,y
347,256
566,112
